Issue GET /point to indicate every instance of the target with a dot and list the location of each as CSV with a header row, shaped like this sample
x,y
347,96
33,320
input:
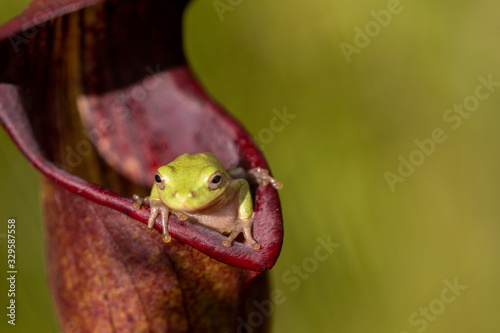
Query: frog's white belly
x,y
220,219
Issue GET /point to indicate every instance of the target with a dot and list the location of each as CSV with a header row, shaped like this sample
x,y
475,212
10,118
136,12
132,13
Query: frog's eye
x,y
215,181
159,182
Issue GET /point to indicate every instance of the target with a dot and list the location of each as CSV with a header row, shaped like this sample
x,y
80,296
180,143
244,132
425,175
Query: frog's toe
x,y
138,201
256,246
167,238
226,243
181,216
276,184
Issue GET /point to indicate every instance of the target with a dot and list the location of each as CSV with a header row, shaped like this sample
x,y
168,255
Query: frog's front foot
x,y
157,208
261,176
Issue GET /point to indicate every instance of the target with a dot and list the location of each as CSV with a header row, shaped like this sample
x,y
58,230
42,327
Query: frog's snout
x,y
183,197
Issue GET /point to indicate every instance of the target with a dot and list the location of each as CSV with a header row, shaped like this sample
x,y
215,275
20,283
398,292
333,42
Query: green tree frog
x,y
198,188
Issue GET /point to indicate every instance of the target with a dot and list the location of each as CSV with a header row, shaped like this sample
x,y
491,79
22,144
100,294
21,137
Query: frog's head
x,y
191,182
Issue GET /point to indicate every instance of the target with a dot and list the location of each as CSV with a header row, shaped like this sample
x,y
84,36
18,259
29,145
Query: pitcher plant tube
x,y
98,95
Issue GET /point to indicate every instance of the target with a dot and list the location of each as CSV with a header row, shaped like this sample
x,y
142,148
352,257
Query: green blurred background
x,y
352,122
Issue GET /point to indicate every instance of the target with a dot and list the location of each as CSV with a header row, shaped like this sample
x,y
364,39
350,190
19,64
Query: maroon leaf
x,y
109,275
97,95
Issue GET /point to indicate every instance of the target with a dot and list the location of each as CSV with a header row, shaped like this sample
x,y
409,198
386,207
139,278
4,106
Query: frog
x,y
197,187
